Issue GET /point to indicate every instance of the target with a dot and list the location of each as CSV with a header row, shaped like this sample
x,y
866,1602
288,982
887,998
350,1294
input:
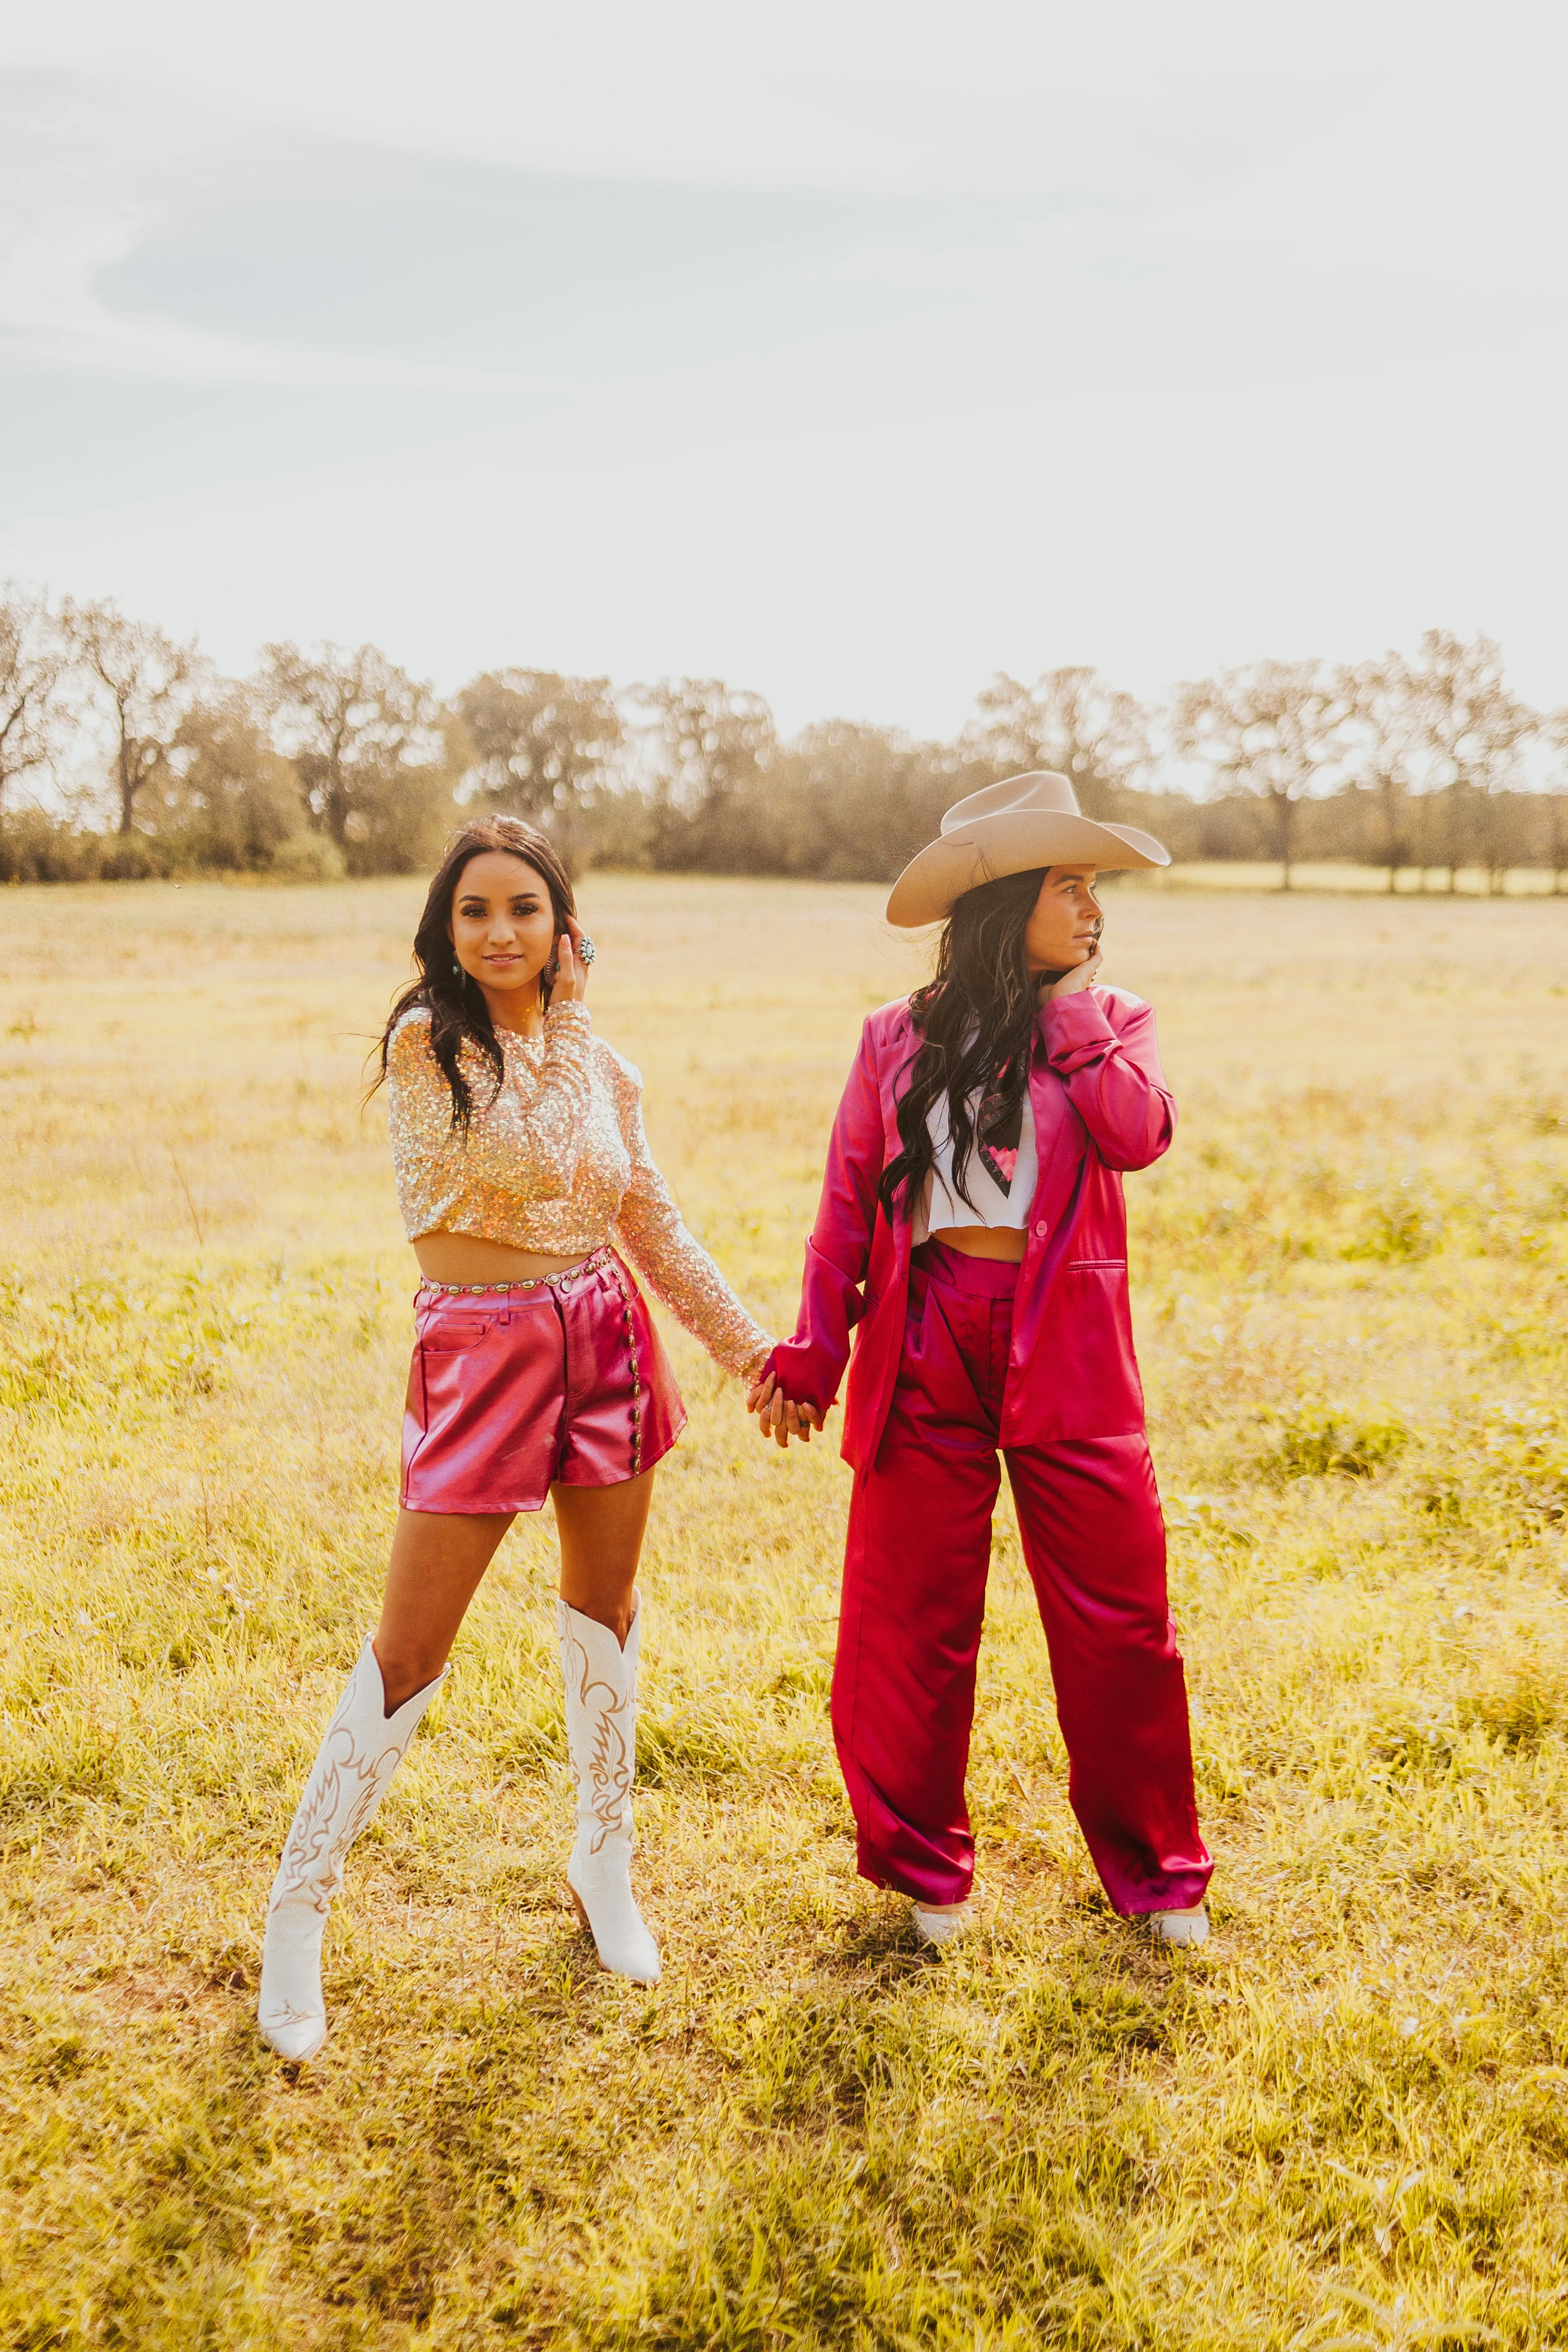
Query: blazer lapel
x,y
1059,1140
894,1083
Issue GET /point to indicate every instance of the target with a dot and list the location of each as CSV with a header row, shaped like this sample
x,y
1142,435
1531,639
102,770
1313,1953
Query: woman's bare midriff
x,y
984,1241
467,1257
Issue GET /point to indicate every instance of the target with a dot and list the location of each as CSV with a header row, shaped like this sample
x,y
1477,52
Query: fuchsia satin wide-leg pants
x,y
915,1598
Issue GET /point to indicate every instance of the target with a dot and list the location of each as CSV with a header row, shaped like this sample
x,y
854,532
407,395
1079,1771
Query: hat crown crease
x,y
1042,791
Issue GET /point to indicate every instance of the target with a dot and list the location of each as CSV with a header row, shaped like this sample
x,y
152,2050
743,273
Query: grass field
x,y
1341,876
1345,2123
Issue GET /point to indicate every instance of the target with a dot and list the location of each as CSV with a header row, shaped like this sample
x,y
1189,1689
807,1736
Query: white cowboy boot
x,y
602,1733
363,1749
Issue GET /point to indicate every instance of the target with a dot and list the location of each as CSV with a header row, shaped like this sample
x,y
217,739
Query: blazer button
x,y
1041,1229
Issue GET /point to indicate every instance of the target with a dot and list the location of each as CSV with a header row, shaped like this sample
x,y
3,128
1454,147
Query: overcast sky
x,y
849,351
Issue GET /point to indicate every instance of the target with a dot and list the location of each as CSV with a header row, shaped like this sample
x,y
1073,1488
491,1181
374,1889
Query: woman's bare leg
x,y
437,1560
601,1530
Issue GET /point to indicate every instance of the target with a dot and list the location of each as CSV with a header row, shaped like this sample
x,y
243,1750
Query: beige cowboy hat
x,y
1024,821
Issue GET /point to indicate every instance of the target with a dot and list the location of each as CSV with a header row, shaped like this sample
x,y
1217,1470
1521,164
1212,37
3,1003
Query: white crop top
x,y
940,1203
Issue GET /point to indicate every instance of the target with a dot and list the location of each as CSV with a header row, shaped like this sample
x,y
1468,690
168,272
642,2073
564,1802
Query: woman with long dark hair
x,y
523,1174
972,1235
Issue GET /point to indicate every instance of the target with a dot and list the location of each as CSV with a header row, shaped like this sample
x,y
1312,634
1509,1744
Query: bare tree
x,y
225,798
855,802
1554,734
1467,736
1382,742
1071,721
1276,730
34,656
713,750
146,680
368,745
540,742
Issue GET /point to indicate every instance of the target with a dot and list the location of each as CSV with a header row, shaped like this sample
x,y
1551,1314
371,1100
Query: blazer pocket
x,y
1084,1359
449,1335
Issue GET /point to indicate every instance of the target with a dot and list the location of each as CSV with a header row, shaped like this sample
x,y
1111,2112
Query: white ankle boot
x,y
941,1926
602,1733
1181,1927
363,1749
946,1927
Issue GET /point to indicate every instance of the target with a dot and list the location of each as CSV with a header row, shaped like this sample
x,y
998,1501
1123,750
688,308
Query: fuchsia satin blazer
x,y
1100,1105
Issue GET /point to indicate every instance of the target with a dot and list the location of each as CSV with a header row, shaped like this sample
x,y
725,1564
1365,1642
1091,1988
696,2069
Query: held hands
x,y
779,1416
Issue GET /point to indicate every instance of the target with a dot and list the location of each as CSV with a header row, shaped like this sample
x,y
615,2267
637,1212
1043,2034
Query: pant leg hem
x,y
892,1884
1185,1896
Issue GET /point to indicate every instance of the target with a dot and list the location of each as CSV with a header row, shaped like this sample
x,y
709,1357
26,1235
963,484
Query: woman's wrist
x,y
1083,999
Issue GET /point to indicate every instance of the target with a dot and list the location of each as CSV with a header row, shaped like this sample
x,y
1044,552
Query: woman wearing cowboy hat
x,y
971,1234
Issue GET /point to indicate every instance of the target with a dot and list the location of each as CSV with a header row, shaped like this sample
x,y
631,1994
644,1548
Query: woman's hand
x,y
571,973
1081,975
779,1416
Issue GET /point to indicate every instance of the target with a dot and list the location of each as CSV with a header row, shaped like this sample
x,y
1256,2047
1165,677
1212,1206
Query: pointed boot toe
x,y
291,2010
293,2037
611,1917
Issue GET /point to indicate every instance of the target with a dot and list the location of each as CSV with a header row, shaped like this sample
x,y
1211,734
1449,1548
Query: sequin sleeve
x,y
528,1138
673,1262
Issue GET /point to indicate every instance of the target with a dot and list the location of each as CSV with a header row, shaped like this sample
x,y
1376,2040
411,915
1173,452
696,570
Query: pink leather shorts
x,y
511,1391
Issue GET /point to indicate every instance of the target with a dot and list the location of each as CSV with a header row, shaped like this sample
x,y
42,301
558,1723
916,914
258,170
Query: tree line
x,y
124,754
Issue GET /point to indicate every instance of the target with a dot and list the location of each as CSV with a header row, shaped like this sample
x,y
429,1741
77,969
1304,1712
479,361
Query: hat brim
x,y
926,890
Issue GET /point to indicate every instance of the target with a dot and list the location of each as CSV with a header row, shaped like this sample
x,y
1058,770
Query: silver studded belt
x,y
533,1282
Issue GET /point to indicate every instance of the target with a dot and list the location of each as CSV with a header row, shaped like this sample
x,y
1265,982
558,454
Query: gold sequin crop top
x,y
559,1163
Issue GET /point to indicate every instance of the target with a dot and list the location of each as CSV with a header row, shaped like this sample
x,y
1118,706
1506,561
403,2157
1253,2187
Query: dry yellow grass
x,y
1346,2124
1341,876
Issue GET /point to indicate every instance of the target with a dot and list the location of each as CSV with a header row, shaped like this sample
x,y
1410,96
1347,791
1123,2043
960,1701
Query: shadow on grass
x,y
877,1946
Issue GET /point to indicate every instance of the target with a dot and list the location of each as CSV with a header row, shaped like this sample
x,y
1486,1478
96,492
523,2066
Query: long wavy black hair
x,y
975,1020
458,1013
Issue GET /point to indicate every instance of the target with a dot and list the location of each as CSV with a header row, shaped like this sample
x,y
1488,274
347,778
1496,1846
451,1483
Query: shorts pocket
x,y
449,1335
